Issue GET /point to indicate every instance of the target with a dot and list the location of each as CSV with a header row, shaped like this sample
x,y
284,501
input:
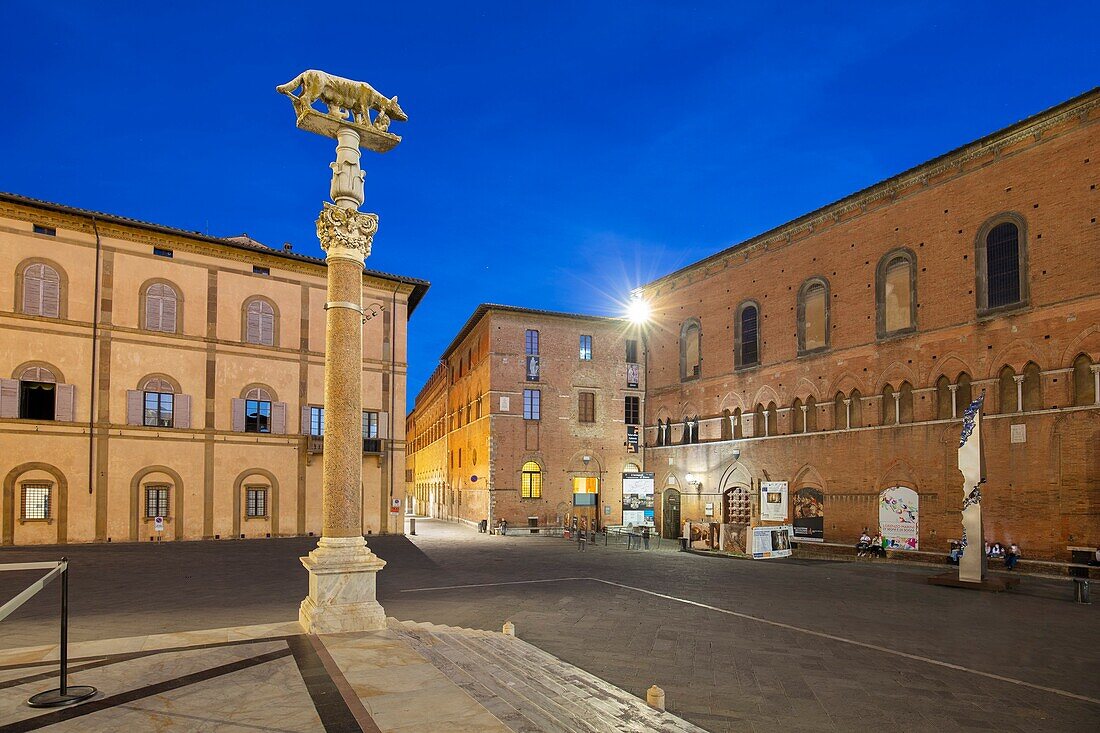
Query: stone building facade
x,y
527,408
151,372
838,351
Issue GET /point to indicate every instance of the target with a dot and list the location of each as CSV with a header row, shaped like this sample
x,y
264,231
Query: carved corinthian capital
x,y
346,229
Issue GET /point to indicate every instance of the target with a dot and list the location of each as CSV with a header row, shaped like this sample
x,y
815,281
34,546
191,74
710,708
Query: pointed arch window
x,y
747,336
896,293
161,301
813,316
691,349
41,291
1084,381
1001,263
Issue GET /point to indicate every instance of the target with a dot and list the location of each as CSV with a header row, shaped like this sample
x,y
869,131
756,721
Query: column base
x,y
342,588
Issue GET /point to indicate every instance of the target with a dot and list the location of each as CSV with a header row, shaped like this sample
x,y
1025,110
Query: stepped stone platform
x,y
408,678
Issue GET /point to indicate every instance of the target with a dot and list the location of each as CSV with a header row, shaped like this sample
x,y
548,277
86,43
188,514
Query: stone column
x,y
1019,379
342,569
1095,383
954,389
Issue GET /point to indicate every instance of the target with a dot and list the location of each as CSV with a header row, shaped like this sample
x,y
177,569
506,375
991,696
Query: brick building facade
x,y
526,408
838,351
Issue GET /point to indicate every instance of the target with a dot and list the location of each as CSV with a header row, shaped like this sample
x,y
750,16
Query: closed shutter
x,y
238,415
167,310
383,425
32,291
181,414
252,326
267,328
152,308
278,418
63,407
9,398
51,294
305,420
135,400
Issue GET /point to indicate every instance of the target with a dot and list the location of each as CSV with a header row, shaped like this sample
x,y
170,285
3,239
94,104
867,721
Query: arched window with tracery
x,y
1084,383
691,349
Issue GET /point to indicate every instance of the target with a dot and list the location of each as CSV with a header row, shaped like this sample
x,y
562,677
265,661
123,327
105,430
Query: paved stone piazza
x,y
791,645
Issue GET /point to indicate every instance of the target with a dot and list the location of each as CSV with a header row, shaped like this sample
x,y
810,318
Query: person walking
x,y
581,543
645,536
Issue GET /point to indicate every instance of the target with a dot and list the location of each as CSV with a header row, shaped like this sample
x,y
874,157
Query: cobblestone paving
x,y
723,672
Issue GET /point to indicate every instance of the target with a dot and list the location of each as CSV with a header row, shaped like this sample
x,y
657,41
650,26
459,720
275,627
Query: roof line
x,y
485,308
1087,100
420,287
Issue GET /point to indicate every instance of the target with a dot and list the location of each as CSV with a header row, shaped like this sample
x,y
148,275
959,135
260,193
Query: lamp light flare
x,y
638,311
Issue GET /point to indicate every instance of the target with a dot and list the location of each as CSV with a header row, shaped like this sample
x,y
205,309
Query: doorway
x,y
670,514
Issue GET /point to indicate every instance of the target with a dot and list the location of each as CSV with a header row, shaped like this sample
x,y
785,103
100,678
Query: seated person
x,y
997,550
878,545
1012,556
955,553
864,544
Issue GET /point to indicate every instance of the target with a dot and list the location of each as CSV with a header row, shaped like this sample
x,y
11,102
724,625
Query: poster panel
x,y
809,514
638,499
769,542
898,514
773,501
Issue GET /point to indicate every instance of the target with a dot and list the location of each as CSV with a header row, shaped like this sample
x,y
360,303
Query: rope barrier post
x,y
63,695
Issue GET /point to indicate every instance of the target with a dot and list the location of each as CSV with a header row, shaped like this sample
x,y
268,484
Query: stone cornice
x,y
1025,134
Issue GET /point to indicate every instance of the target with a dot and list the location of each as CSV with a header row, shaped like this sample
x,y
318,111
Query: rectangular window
x,y
36,501
317,421
48,231
633,410
37,400
586,407
531,484
257,270
370,424
158,409
257,416
460,458
255,501
531,343
162,252
631,351
156,501
531,407
586,348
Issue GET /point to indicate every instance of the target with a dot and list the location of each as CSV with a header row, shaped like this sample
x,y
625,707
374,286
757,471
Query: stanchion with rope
x,y
66,694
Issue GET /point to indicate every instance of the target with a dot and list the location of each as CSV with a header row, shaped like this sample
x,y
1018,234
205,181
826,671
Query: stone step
x,y
529,689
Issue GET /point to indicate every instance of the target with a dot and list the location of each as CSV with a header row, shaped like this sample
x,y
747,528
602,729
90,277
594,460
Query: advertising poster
x,y
769,542
638,499
898,512
773,501
808,507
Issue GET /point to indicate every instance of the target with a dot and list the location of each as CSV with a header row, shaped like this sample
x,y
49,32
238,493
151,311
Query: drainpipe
x,y
92,381
393,402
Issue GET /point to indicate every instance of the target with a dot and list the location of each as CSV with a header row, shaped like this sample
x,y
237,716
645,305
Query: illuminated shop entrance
x,y
586,501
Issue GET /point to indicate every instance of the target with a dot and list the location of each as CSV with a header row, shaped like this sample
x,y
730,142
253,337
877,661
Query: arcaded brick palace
x,y
838,351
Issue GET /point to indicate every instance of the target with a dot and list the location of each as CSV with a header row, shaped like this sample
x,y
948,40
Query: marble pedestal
x,y
342,588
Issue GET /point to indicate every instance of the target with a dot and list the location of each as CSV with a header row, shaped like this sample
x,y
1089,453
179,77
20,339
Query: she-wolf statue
x,y
341,96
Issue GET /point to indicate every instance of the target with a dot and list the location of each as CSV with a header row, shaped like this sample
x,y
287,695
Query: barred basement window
x,y
255,502
156,501
36,501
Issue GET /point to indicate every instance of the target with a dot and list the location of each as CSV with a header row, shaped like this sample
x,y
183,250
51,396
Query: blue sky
x,y
556,154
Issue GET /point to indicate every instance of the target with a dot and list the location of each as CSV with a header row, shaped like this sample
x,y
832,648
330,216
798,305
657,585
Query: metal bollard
x,y
412,526
1081,591
509,628
655,698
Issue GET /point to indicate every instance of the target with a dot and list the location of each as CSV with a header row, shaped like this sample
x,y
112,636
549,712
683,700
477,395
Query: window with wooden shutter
x,y
260,323
257,413
41,291
278,418
160,308
9,398
586,407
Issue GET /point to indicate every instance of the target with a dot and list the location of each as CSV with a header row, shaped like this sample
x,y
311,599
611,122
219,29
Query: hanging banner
x,y
809,514
773,501
638,499
632,375
898,512
532,367
769,542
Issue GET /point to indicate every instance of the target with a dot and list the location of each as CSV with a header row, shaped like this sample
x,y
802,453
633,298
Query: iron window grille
x,y
750,337
158,409
36,501
257,416
255,502
1003,265
156,502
